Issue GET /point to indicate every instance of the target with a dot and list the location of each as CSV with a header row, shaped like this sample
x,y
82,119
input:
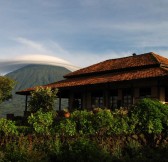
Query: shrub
x,y
133,148
164,110
84,150
66,127
121,125
148,116
7,127
6,86
42,98
23,149
83,120
103,121
24,130
41,121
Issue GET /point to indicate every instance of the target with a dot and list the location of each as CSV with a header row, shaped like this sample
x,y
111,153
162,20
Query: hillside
x,y
29,76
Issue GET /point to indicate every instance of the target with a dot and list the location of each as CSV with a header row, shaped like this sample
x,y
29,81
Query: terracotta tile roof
x,y
146,59
112,77
149,65
108,78
160,59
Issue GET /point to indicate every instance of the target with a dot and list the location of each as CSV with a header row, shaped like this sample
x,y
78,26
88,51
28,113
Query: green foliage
x,y
6,86
24,130
148,117
22,149
164,111
120,135
121,123
42,98
133,148
41,121
84,150
66,127
7,127
83,120
103,121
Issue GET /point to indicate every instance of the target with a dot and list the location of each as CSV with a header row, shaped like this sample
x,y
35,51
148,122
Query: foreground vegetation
x,y
26,77
136,134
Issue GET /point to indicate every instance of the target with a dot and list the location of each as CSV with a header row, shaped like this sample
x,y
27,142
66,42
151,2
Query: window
x,y
145,92
114,99
97,99
127,97
77,103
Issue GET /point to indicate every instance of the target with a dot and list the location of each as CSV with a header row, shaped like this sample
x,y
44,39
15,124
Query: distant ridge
x,y
29,76
33,75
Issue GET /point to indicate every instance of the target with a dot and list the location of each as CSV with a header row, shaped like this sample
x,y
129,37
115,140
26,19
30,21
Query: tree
x,y
42,98
6,86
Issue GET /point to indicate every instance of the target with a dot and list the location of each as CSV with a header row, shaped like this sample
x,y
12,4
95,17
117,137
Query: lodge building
x,y
114,83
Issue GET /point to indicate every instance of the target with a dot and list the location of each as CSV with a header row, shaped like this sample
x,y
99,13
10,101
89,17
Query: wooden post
x,y
71,99
59,103
26,103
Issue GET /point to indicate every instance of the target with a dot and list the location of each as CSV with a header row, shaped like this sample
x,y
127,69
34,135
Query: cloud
x,y
32,44
42,58
27,51
83,59
76,30
9,65
47,47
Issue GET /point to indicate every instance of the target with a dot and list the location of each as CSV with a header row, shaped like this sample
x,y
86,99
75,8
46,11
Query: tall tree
x,y
42,98
6,86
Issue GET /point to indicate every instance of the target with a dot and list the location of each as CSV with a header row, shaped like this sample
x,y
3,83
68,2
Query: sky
x,y
82,32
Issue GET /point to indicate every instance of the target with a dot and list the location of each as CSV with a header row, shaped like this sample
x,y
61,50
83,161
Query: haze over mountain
x,y
29,76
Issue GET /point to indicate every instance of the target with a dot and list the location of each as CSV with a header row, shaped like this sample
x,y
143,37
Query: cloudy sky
x,y
82,32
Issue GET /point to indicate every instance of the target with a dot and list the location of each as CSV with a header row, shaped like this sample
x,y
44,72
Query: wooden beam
x,y
26,103
59,103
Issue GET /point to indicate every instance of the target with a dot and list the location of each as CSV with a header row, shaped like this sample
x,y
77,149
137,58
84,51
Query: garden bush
x,y
84,150
42,121
121,123
102,121
120,135
83,120
66,127
7,128
23,149
42,98
148,117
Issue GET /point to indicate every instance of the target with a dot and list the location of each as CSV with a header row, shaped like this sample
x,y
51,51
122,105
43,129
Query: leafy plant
x,y
121,122
83,120
84,150
66,127
148,116
41,121
6,86
7,127
42,98
102,121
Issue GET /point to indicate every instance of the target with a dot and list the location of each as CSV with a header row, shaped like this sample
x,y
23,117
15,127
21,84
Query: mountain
x,y
34,75
30,76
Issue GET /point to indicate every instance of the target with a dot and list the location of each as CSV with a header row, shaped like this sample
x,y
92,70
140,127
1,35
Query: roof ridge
x,y
155,57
